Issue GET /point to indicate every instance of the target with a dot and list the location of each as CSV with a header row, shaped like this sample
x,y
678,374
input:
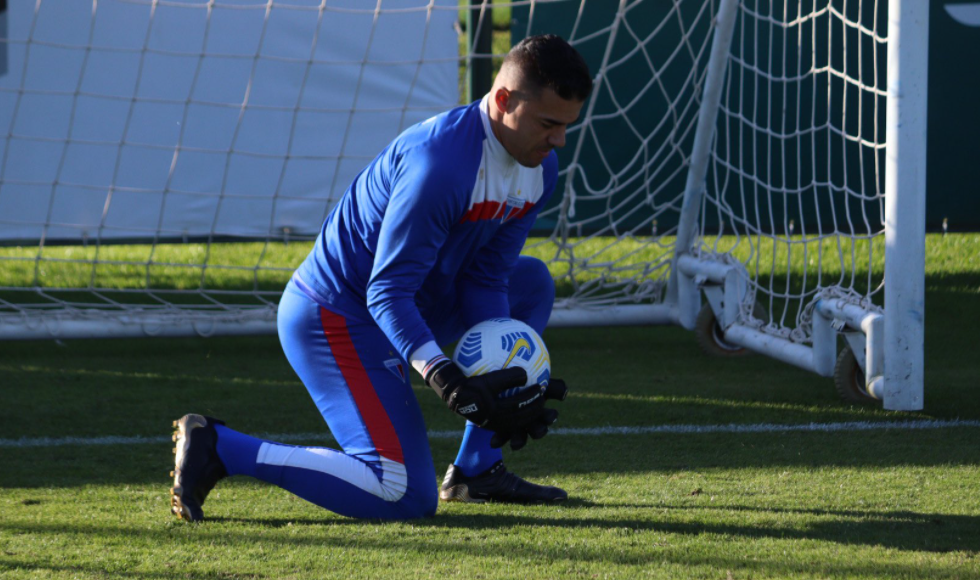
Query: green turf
x,y
874,504
185,271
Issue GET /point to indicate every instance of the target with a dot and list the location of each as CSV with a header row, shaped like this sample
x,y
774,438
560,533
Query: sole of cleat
x,y
177,507
460,493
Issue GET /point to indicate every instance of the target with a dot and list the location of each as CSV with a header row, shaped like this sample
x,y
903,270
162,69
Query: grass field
x,y
719,504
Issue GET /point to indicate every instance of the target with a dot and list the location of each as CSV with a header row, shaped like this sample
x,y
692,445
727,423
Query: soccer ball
x,y
501,343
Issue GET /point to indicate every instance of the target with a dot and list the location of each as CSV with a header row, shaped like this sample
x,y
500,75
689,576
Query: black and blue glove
x,y
478,399
555,390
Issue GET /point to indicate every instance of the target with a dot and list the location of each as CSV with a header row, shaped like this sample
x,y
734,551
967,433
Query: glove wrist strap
x,y
444,377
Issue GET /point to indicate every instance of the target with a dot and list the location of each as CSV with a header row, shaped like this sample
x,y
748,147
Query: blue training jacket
x,y
443,211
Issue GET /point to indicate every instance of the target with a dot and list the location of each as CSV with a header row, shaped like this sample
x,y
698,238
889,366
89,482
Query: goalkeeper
x,y
424,244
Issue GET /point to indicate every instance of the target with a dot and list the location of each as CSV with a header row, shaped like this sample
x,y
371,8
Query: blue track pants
x,y
361,386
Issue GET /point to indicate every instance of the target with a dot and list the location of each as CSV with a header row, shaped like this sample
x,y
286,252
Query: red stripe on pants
x,y
375,417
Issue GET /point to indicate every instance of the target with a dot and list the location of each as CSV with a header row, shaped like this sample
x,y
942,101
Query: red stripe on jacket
x,y
488,210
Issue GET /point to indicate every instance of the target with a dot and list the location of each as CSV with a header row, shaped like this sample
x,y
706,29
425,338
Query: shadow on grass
x,y
655,456
658,557
99,571
642,541
618,376
901,530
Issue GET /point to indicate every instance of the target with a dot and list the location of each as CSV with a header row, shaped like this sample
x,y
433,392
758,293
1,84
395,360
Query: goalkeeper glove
x,y
478,398
538,428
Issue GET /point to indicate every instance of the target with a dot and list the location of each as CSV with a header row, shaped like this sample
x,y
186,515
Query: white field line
x,y
592,431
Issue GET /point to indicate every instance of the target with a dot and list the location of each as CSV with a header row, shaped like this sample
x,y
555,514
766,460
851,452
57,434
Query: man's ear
x,y
504,100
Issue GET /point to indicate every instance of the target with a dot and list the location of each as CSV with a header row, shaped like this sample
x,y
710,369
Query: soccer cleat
x,y
197,467
498,485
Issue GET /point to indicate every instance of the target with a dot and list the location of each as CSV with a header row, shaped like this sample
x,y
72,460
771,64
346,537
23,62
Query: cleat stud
x,y
171,473
175,422
175,451
175,437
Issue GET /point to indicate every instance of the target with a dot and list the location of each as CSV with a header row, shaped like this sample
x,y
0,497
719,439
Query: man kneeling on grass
x,y
424,244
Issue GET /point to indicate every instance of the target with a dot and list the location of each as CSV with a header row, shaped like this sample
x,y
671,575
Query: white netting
x,y
143,138
797,181
624,182
176,157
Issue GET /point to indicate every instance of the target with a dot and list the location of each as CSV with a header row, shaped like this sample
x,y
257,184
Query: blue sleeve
x,y
483,288
420,212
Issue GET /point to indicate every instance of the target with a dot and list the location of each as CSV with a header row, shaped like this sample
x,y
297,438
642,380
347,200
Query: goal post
x,y
752,170
886,338
905,205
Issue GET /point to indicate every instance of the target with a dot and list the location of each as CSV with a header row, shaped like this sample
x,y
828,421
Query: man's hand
x,y
478,400
538,428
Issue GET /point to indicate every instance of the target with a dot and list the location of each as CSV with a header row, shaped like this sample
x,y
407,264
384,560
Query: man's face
x,y
534,125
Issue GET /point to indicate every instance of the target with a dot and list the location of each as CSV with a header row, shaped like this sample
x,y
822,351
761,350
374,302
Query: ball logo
x,y
519,344
503,343
469,352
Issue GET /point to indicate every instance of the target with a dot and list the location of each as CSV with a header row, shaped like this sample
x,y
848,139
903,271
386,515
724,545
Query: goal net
x,y
804,206
166,163
796,185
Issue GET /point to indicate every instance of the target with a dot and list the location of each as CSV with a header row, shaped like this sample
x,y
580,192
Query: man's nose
x,y
557,137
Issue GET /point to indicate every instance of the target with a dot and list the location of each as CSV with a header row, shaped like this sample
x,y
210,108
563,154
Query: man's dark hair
x,y
547,61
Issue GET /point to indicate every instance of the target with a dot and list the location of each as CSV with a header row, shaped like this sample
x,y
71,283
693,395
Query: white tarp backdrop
x,y
168,119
